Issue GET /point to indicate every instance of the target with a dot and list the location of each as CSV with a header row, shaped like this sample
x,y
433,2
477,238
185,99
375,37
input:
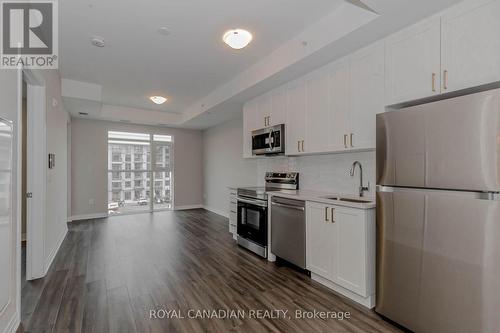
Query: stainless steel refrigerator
x,y
438,215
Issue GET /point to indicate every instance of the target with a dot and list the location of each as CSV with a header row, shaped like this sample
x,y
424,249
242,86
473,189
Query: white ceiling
x,y
206,81
184,66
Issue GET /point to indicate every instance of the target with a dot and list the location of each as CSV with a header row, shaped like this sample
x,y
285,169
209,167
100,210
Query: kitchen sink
x,y
354,200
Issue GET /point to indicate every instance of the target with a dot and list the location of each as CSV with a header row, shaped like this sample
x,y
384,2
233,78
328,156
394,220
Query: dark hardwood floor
x,y
109,274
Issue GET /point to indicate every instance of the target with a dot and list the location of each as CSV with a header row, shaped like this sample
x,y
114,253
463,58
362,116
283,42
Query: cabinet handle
x,y
345,140
302,145
268,120
434,82
265,121
445,79
326,214
350,140
298,146
333,214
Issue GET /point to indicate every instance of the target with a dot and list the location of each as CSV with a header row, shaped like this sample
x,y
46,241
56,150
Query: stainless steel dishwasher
x,y
288,230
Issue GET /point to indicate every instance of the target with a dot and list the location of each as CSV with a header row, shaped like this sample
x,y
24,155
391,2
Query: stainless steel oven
x,y
269,140
252,225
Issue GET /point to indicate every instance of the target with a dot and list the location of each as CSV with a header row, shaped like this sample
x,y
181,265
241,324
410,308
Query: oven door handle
x,y
287,206
252,202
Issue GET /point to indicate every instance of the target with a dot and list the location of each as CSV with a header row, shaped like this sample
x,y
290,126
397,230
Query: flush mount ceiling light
x,y
97,41
237,38
158,99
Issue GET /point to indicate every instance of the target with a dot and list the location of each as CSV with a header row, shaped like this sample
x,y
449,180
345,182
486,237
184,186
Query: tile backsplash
x,y
328,173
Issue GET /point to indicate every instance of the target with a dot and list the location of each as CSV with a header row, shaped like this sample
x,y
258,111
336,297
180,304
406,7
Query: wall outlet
x,y
91,201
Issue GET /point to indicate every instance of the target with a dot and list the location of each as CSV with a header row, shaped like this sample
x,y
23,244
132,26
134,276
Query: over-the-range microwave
x,y
269,140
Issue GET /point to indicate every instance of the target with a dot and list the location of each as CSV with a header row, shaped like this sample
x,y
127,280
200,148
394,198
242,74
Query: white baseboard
x,y
186,207
14,323
217,211
87,217
53,254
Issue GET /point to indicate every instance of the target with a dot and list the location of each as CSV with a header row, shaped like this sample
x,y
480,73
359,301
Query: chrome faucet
x,y
362,188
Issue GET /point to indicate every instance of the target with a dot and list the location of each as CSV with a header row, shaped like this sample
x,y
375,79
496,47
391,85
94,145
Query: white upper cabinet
x,y
317,125
471,45
295,131
278,109
264,106
413,62
249,124
367,95
338,113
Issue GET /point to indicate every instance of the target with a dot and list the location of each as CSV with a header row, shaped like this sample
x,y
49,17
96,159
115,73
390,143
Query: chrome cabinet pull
x,y
333,214
268,120
326,214
298,146
302,145
345,140
445,79
350,140
434,82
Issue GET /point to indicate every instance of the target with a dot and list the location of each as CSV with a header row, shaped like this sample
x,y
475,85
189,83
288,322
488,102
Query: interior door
x,y
471,45
6,225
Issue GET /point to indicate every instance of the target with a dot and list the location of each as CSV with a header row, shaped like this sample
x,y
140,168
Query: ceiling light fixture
x,y
158,99
164,31
237,38
97,41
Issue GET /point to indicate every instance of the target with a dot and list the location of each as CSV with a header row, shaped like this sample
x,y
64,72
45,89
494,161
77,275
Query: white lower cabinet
x,y
340,250
233,211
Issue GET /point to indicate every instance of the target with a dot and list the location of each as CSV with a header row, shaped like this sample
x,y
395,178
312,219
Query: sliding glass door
x,y
139,172
162,172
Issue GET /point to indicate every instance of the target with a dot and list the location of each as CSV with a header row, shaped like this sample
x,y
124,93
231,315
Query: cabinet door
x,y
263,110
471,45
320,240
296,117
249,124
317,112
413,62
338,128
351,249
367,95
278,109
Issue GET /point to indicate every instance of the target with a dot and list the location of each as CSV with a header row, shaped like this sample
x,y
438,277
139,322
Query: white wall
x,y
223,164
89,151
9,275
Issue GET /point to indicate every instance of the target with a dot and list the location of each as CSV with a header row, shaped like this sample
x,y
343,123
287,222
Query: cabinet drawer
x,y
233,218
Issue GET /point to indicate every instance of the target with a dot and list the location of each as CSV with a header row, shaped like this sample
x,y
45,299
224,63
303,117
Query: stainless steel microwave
x,y
269,140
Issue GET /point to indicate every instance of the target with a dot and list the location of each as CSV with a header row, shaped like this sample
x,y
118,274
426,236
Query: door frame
x,y
36,175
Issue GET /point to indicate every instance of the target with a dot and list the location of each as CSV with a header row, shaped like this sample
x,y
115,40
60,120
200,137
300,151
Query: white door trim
x,y
36,175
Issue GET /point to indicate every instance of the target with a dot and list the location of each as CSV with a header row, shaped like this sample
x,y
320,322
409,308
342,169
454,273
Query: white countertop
x,y
322,197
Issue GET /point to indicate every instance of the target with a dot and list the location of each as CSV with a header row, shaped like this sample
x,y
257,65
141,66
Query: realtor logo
x,y
29,34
